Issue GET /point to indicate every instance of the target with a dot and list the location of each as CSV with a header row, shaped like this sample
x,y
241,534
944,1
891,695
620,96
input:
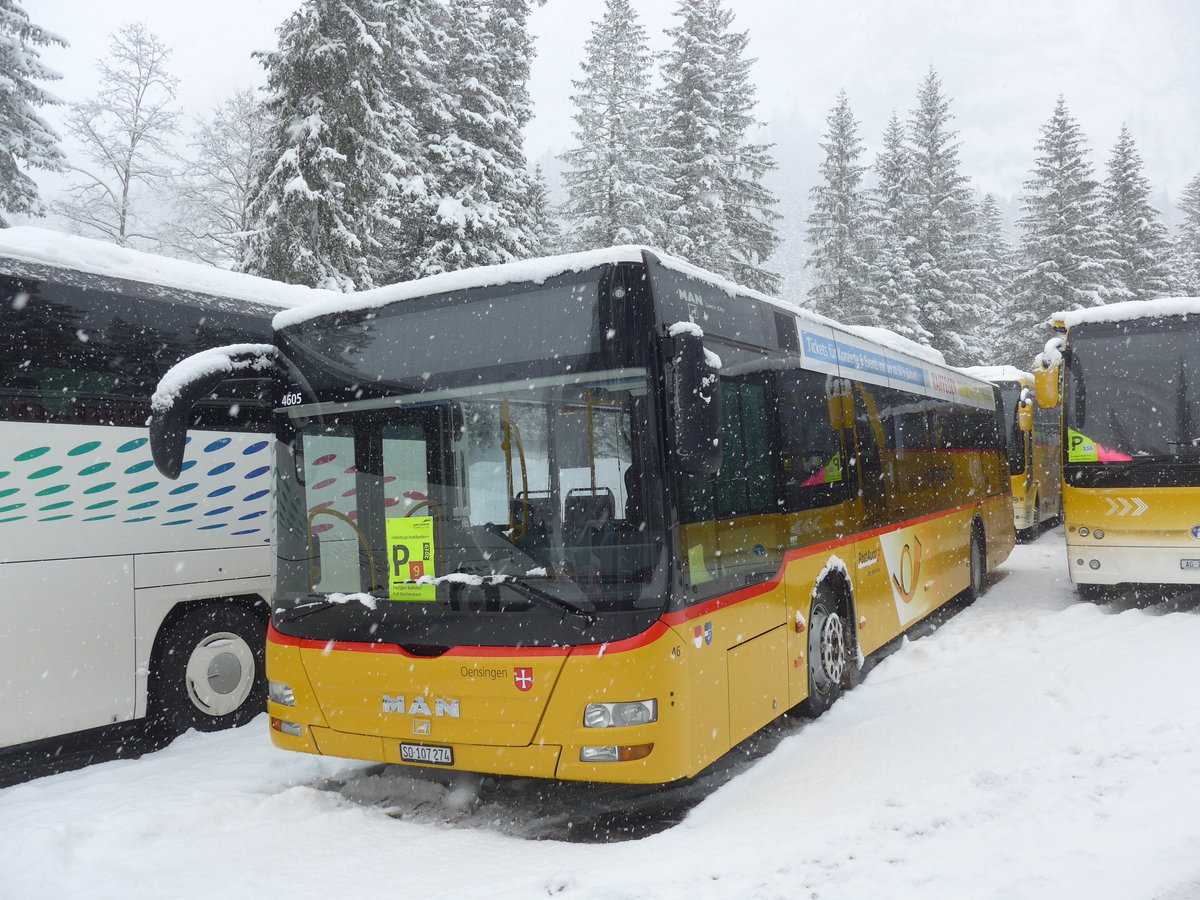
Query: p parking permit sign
x,y
410,556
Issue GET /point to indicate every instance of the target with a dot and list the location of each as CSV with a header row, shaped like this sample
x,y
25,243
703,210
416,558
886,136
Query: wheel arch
x,y
835,579
252,602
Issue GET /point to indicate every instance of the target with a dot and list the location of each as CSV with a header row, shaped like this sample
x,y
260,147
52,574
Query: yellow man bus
x,y
599,516
1129,375
1034,453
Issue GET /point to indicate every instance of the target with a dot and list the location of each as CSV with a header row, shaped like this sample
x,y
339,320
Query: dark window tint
x,y
73,354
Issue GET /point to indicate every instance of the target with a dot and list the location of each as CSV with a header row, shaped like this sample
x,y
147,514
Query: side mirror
x,y
1045,373
1046,382
696,402
189,381
1025,412
841,404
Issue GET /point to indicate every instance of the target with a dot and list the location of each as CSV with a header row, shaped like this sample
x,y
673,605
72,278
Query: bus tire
x,y
209,671
978,585
1027,535
1095,593
831,656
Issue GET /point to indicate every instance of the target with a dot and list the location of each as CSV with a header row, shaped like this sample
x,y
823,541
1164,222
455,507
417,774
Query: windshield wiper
x,y
316,606
525,589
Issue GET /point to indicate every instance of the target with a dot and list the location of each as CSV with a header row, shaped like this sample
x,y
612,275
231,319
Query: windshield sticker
x,y
410,551
1081,448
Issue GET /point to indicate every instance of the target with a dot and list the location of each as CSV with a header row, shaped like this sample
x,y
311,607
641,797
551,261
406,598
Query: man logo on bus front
x,y
523,677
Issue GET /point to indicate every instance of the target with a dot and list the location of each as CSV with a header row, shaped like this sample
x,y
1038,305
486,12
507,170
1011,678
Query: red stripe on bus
x,y
727,600
647,637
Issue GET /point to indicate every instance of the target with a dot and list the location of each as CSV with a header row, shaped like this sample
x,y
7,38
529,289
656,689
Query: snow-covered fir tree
x,y
1067,259
25,138
720,216
547,232
837,225
507,33
996,267
470,225
323,191
125,131
212,192
614,180
749,205
1187,241
1137,232
893,287
938,215
424,101
478,186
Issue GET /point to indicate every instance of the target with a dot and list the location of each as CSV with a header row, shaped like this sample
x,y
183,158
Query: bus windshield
x,y
456,516
1133,392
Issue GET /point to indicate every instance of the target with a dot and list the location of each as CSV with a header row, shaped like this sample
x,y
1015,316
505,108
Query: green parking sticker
x,y
410,555
1081,448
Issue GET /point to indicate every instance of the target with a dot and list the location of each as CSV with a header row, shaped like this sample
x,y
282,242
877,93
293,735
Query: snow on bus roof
x,y
534,270
1127,311
80,254
997,373
539,270
894,341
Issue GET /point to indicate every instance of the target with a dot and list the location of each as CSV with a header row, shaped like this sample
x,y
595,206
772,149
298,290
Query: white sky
x,y
1004,62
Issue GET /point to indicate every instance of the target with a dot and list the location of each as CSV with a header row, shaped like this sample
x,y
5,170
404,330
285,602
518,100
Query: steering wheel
x,y
431,504
362,538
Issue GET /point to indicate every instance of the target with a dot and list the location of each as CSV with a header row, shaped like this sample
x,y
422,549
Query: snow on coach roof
x,y
80,254
997,373
1126,311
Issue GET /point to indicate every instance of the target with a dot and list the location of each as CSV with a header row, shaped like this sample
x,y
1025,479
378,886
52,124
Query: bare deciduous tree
x,y
125,131
212,193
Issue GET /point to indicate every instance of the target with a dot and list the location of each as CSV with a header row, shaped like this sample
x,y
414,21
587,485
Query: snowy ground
x,y
1033,746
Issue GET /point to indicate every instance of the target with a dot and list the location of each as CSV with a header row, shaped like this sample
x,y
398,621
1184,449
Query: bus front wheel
x,y
831,654
209,670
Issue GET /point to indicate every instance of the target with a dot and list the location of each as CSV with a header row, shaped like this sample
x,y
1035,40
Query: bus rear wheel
x,y
1025,535
210,670
830,654
978,566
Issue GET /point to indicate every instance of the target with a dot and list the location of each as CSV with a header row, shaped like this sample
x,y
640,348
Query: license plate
x,y
427,753
1189,564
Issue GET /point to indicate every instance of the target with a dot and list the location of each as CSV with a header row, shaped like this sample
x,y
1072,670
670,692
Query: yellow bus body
x,y
719,671
1037,490
1117,535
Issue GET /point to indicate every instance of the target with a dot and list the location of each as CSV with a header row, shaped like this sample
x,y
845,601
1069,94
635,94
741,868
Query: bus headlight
x,y
618,715
615,754
278,692
295,729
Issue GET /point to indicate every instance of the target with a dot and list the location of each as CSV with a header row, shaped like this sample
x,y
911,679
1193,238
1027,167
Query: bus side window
x,y
812,456
746,482
867,429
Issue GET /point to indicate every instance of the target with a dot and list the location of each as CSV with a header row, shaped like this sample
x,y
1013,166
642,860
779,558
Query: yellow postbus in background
x,y
1034,452
1129,378
600,516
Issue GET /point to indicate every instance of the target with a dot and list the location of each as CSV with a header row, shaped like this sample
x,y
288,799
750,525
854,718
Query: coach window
x,y
69,353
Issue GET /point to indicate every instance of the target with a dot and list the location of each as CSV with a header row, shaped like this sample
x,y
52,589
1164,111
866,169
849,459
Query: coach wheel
x,y
1095,593
830,654
210,670
1025,535
978,566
